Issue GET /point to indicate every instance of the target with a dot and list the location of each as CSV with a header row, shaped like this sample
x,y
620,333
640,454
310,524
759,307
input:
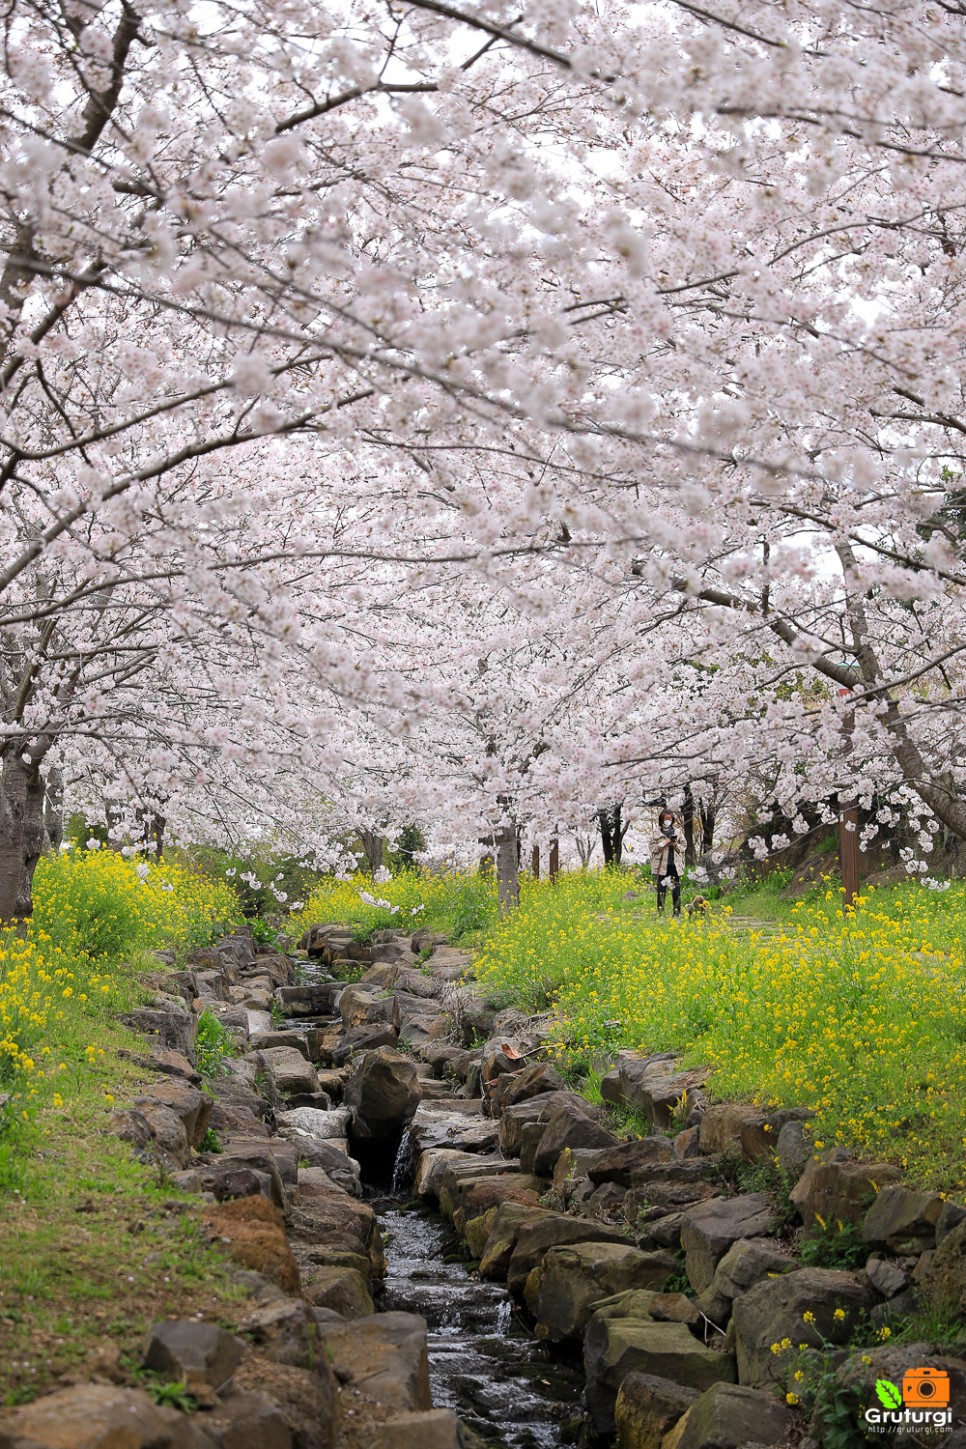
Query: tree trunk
x,y
23,835
611,834
372,845
507,868
54,807
687,817
708,811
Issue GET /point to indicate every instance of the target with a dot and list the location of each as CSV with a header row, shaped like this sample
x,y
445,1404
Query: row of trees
x,y
479,418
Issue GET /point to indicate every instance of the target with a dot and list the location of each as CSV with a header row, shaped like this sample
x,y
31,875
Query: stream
x,y
483,1362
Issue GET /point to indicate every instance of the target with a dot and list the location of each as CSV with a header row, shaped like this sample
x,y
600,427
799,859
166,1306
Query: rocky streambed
x,y
442,1245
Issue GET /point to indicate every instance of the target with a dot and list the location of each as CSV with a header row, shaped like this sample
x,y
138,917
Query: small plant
x,y
174,1396
211,1142
765,1175
262,933
832,1245
213,1045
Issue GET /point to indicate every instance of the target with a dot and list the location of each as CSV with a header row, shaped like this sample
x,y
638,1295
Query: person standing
x,y
666,846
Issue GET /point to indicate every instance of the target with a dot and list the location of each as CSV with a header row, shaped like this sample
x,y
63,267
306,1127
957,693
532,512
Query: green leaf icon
x,y
890,1395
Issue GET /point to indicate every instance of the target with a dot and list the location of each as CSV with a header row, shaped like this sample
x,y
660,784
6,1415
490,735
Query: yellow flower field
x,y
862,1019
70,970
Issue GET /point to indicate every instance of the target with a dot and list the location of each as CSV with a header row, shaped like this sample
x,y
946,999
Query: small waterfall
x,y
404,1166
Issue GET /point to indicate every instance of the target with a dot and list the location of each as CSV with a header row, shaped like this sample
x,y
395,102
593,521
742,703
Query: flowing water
x,y
483,1361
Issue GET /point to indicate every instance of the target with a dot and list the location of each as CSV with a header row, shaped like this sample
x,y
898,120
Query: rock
x,y
289,1070
887,1277
568,1125
647,1407
687,1144
747,1262
621,1163
615,1347
253,1233
310,1122
318,999
729,1417
459,1178
306,1398
653,1086
430,1429
534,1080
439,1125
951,1216
838,1189
132,1127
266,1040
320,1154
573,1278
383,1094
359,1007
186,1102
430,1167
284,1331
793,1148
507,1222
903,1219
709,1229
944,1276
168,1133
514,1119
727,1125
193,1351
249,1421
646,1303
173,1024
343,1290
535,1238
172,1063
98,1416
265,1154
775,1309
383,1356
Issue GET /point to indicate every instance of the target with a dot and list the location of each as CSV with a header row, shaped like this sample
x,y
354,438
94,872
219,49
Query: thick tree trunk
x,y
507,847
23,835
611,834
372,845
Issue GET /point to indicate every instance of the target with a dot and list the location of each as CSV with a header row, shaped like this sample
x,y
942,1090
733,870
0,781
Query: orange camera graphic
x,y
925,1388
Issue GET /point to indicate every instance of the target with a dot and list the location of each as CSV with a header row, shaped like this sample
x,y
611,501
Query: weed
x,y
174,1396
832,1245
211,1142
213,1046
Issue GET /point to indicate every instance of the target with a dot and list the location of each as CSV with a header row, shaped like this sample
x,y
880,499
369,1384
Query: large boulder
x,y
533,1109
729,1125
185,1349
170,1020
647,1408
534,1080
654,1086
569,1125
427,1429
573,1278
289,1070
776,1309
837,1189
446,1124
902,1219
99,1416
359,1007
534,1240
615,1347
306,1398
383,1094
729,1417
249,1421
709,1229
628,1161
317,999
312,1122
747,1262
383,1356
944,1280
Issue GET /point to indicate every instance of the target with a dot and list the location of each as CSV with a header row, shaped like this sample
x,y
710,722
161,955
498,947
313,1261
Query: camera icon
x,y
925,1388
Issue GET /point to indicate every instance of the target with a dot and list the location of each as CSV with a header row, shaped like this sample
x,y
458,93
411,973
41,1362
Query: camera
x,y
925,1388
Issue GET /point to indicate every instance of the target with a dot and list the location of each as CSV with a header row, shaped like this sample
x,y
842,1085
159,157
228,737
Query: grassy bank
x,y
93,1247
862,1019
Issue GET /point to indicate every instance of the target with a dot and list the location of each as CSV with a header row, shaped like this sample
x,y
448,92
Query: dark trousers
x,y
662,891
